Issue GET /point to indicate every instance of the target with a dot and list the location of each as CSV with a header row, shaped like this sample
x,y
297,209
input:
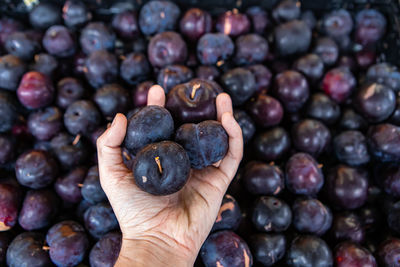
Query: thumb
x,y
109,148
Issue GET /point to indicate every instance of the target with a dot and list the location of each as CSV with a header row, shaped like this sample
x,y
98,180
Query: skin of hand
x,y
166,230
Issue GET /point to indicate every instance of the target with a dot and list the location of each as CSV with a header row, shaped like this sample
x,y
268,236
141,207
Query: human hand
x,y
166,230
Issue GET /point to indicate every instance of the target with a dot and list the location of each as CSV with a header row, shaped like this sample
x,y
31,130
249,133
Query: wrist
x,y
147,252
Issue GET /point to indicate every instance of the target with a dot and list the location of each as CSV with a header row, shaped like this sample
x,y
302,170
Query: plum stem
x,y
194,89
157,159
80,185
320,166
46,248
126,155
76,140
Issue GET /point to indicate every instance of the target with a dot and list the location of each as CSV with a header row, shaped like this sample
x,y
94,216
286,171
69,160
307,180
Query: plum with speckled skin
x,y
100,219
148,125
45,124
205,143
105,252
161,168
91,189
67,187
225,248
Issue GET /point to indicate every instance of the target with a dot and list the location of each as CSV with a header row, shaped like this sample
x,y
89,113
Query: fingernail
x,y
114,120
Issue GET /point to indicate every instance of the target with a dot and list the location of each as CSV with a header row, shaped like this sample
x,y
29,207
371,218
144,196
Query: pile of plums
x,y
317,101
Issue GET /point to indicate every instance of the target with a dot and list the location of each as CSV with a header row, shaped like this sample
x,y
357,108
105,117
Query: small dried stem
x,y
76,140
157,159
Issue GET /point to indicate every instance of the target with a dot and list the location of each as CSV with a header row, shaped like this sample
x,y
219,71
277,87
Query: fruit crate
x,y
388,48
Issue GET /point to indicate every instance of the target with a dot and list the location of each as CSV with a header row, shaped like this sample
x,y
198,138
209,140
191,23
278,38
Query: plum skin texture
x,y
150,124
205,143
161,168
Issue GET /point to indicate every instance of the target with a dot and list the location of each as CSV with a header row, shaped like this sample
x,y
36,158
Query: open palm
x,y
176,224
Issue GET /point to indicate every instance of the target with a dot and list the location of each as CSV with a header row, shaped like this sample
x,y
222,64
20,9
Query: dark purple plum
x,y
100,219
68,186
8,146
35,169
45,124
309,18
262,75
352,121
11,70
303,175
207,72
70,151
213,48
351,148
337,23
311,216
112,99
193,101
27,250
268,249
251,48
35,90
348,227
69,90
347,187
370,26
246,124
45,63
101,67
327,50
225,248
229,215
91,187
389,252
311,136
8,26
292,37
386,74
311,65
68,243
166,48
259,19
75,14
105,252
390,177
265,110
272,144
139,94
135,68
8,111
172,75
383,140
96,36
45,15
240,83
286,10
158,16
20,44
291,88
38,209
263,179
322,108
308,250
346,61
150,124
96,134
376,102
365,58
161,168
81,116
10,201
195,23
59,41
395,117
271,214
338,83
79,64
205,143
233,23
125,24
351,254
